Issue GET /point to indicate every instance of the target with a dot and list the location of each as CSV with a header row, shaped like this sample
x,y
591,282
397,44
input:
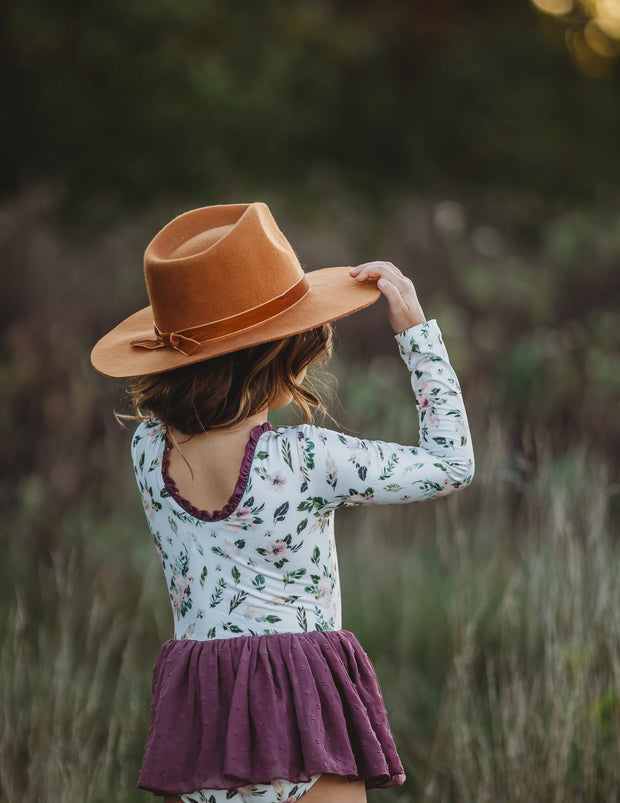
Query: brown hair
x,y
227,389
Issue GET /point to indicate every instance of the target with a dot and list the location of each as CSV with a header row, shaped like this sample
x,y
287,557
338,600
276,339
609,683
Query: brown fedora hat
x,y
219,279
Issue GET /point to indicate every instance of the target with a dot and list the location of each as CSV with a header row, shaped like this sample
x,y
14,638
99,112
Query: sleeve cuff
x,y
422,339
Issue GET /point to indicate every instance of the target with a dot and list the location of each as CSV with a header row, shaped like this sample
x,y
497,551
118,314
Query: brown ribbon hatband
x,y
188,340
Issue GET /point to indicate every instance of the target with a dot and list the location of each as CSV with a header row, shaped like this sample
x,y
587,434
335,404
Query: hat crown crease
x,y
248,265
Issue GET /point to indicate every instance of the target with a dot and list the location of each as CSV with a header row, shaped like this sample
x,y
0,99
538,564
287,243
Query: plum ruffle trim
x,y
242,481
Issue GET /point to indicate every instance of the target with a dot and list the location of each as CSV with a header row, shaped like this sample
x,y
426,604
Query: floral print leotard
x,y
267,562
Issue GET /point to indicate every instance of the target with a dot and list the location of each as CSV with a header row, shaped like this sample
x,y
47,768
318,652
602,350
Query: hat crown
x,y
215,262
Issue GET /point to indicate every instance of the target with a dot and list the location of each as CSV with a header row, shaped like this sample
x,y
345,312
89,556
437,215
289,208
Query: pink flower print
x,y
425,402
245,791
175,598
354,498
361,457
277,550
149,507
446,487
190,631
252,612
324,596
277,482
242,517
280,788
229,549
180,591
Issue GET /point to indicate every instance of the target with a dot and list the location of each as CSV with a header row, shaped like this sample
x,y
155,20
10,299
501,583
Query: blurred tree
x,y
129,102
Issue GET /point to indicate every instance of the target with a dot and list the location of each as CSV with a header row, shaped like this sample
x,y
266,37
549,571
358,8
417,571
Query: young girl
x,y
261,694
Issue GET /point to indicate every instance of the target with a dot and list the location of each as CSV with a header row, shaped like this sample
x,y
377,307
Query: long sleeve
x,y
341,470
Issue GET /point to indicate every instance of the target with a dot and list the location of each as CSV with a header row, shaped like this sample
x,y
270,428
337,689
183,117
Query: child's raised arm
x,y
341,470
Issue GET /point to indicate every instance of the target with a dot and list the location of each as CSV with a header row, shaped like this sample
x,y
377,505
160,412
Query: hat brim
x,y
333,294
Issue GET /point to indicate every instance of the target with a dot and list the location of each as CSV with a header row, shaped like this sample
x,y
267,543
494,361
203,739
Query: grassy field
x,y
492,617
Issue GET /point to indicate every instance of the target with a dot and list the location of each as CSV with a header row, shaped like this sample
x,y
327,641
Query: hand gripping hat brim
x,y
220,279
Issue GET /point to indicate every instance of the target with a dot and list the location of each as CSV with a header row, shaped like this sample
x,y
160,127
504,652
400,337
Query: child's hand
x,y
404,309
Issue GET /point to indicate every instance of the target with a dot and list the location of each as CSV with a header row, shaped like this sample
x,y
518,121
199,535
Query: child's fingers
x,y
404,309
398,311
392,295
385,270
371,269
377,269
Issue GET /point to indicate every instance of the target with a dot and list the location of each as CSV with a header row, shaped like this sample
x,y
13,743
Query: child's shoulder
x,y
147,433
311,436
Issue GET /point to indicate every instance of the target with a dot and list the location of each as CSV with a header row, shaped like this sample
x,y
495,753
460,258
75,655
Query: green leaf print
x,y
286,454
302,526
239,597
235,574
259,582
203,577
393,487
316,554
216,597
301,618
444,442
431,487
389,469
281,512
240,543
290,577
319,624
232,628
291,599
312,503
262,455
309,453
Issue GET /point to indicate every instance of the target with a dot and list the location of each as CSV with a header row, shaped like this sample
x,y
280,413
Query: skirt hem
x,y
232,712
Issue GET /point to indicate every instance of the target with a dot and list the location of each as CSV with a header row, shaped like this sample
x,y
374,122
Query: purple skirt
x,y
231,712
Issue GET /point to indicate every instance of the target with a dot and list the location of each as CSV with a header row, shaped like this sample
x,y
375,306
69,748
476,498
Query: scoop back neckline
x,y
242,479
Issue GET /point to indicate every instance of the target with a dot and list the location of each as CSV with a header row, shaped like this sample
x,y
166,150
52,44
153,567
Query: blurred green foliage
x,y
128,102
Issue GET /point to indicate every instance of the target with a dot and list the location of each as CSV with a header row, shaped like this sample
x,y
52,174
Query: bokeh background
x,y
474,144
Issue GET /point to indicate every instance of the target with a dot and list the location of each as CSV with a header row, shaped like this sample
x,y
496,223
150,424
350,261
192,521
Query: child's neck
x,y
242,429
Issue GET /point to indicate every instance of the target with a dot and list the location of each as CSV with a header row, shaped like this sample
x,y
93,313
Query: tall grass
x,y
492,617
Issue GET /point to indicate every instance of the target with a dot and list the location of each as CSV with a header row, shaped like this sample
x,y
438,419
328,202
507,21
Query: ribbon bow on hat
x,y
219,279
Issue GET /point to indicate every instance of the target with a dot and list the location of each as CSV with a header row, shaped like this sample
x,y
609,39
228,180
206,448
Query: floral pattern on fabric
x,y
279,791
270,565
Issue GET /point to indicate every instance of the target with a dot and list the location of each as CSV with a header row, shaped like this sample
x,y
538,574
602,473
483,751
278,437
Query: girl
x,y
261,694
